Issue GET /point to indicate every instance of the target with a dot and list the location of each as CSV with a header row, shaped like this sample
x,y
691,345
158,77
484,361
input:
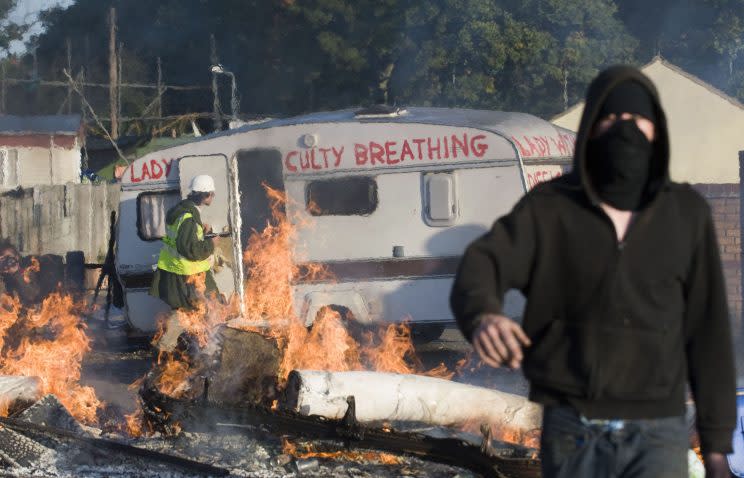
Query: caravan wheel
x,y
355,328
425,333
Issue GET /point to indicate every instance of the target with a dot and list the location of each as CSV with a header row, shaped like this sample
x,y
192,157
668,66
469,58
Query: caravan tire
x,y
355,328
426,333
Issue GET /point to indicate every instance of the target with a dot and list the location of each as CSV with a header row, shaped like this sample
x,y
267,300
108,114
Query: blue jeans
x,y
573,447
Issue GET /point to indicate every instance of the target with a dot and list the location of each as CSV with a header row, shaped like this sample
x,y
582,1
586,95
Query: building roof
x,y
661,61
693,78
52,124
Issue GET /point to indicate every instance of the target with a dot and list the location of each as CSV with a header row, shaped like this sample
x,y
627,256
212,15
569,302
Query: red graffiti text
x,y
536,177
544,146
151,170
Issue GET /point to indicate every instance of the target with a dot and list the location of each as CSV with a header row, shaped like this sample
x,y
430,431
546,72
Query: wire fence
x,y
140,107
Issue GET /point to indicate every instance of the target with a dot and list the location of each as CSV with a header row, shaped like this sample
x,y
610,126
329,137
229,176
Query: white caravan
x,y
395,200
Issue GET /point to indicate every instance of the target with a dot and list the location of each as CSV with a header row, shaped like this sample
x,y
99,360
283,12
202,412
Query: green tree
x,y
292,56
584,37
467,53
535,56
9,31
703,37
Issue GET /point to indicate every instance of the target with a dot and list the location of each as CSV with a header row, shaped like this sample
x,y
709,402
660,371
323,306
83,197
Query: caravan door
x,y
219,215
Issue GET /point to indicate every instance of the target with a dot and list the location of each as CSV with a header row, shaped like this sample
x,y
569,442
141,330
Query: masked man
x,y
626,301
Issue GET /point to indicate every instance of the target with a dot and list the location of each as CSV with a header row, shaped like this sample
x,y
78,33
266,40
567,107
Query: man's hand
x,y
207,228
499,341
716,465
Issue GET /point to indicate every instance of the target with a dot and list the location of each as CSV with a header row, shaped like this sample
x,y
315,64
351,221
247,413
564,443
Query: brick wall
x,y
725,201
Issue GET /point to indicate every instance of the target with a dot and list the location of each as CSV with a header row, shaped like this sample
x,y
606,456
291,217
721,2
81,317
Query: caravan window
x,y
440,199
151,211
353,196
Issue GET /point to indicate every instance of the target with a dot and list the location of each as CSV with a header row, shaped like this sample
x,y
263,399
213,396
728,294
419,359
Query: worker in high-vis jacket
x,y
185,258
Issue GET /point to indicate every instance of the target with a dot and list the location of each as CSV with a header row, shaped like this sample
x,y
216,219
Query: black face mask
x,y
619,163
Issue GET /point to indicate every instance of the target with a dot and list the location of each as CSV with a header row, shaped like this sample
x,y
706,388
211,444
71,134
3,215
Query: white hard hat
x,y
202,184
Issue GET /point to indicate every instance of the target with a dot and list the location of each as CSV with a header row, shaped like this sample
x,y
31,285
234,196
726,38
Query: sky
x,y
27,12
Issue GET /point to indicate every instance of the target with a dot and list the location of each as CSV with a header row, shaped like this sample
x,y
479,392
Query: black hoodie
x,y
617,328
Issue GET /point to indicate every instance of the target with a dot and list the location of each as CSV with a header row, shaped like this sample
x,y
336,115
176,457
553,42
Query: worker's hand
x,y
499,341
207,228
716,465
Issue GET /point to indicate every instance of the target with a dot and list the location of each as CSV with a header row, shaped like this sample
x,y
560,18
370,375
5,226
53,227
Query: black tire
x,y
425,333
75,271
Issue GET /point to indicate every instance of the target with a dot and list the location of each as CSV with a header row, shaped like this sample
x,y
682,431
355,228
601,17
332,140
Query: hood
x,y
598,91
180,209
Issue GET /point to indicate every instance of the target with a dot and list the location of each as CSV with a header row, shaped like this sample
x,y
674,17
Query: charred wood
x,y
207,415
97,445
50,412
17,450
248,368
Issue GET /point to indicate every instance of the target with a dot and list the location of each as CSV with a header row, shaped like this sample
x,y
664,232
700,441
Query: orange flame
x,y
174,377
695,445
51,346
175,370
326,346
272,267
504,432
10,308
346,455
134,423
33,268
699,453
394,352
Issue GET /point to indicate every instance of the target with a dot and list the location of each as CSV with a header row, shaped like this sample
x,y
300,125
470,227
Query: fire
x,y
698,452
271,269
503,432
134,423
347,455
200,323
174,378
33,268
395,346
327,345
48,342
176,370
392,351
10,308
695,445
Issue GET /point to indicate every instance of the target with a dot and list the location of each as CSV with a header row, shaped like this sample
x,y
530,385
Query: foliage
x,y
9,31
293,56
704,37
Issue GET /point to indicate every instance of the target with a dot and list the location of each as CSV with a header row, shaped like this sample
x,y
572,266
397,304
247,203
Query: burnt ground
x,y
118,360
